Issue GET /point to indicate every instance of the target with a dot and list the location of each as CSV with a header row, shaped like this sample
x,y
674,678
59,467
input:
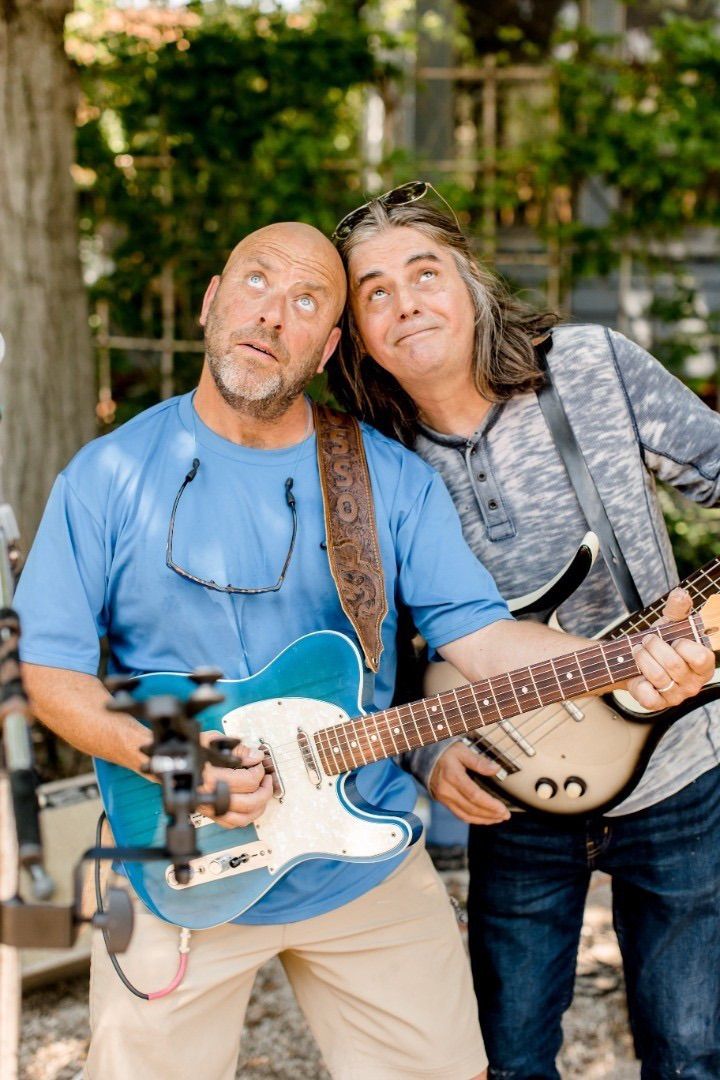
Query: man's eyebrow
x,y
312,286
422,256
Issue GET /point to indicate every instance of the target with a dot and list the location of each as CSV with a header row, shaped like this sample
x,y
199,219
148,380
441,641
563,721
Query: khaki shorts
x,y
383,982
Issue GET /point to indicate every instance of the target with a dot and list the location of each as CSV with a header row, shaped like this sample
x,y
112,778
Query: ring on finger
x,y
664,689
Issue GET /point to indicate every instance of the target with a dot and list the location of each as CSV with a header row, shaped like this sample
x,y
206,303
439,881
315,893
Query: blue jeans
x,y
528,882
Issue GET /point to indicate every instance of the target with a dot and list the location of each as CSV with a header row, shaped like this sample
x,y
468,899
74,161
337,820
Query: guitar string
x,y
623,629
567,665
503,698
349,732
508,747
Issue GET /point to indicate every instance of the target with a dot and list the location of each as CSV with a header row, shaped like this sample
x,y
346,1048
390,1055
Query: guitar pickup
x,y
272,768
482,745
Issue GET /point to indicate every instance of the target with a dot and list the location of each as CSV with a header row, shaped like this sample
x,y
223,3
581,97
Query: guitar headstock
x,y
710,614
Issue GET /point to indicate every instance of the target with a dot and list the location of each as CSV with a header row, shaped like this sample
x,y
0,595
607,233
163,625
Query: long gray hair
x,y
504,361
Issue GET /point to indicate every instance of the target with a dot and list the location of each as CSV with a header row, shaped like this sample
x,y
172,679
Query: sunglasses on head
x,y
403,195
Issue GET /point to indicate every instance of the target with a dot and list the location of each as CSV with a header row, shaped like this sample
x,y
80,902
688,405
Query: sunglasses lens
x,y
399,196
406,193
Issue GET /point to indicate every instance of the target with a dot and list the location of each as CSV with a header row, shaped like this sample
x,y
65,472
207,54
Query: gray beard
x,y
264,400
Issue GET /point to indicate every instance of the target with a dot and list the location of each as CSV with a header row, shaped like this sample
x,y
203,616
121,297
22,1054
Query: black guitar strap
x,y
582,481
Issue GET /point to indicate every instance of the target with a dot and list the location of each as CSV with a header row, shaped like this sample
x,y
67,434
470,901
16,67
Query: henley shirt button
x,y
493,504
482,476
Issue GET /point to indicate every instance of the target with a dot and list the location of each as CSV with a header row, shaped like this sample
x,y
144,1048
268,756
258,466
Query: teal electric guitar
x,y
304,711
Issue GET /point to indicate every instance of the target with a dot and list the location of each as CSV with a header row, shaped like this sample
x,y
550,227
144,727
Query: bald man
x,y
372,949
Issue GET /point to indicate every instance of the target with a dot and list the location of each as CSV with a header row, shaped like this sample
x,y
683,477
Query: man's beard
x,y
266,391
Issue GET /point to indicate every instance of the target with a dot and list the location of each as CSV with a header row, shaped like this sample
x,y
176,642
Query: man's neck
x,y
246,428
457,409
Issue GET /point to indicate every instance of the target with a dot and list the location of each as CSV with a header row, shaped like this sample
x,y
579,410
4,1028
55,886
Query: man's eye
x,y
427,275
377,294
307,303
256,280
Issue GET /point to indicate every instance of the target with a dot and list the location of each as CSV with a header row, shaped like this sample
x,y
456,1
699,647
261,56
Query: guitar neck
x,y
365,739
700,585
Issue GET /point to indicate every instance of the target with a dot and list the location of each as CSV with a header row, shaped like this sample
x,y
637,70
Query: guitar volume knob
x,y
545,788
575,788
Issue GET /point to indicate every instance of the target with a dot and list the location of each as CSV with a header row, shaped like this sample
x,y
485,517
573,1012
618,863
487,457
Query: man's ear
x,y
330,347
208,298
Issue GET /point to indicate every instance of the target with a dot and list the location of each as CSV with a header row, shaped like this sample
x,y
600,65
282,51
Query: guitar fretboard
x,y
364,739
700,585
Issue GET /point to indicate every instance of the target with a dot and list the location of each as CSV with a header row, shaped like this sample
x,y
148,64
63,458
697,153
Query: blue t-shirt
x,y
97,568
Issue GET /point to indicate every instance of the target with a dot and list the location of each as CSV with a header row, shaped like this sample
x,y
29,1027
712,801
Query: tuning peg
x,y
206,675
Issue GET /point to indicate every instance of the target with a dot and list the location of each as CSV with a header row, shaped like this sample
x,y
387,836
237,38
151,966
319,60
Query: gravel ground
x,y
277,1045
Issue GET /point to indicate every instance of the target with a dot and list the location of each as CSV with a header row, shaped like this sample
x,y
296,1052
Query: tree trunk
x,y
47,384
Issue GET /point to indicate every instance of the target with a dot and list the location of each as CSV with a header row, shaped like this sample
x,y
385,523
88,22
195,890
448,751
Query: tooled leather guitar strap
x,y
352,543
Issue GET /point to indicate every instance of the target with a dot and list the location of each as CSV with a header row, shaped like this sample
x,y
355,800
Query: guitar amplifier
x,y
69,810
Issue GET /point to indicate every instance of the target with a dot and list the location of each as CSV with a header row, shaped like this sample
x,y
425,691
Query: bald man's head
x,y
304,242
271,318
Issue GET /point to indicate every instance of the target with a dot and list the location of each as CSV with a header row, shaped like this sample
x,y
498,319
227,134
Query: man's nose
x,y
272,312
407,304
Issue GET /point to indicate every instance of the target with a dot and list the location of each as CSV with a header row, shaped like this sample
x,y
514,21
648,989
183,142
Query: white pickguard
x,y
309,816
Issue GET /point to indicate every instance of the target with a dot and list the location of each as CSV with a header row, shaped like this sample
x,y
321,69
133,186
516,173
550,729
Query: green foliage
x,y
200,124
694,532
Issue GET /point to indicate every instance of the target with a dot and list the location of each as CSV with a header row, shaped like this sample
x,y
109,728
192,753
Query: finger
x,y
659,662
248,755
245,809
461,794
677,606
243,780
697,657
479,763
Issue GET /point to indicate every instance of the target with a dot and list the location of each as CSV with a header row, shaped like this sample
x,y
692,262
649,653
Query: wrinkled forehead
x,y
392,250
299,255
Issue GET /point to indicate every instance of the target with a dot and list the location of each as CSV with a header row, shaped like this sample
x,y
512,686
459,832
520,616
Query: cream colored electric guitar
x,y
585,755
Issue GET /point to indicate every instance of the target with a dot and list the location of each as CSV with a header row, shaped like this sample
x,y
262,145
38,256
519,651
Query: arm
x,y
73,705
61,600
686,665
678,434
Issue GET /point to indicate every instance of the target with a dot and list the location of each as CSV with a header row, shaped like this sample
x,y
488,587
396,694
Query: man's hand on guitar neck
x,y
670,675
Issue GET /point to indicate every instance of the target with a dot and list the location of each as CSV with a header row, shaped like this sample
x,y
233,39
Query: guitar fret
x,y
486,704
352,744
376,736
321,750
435,730
494,701
557,680
389,730
449,726
524,678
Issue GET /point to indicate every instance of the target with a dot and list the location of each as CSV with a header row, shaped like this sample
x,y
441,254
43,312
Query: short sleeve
x,y
61,594
449,592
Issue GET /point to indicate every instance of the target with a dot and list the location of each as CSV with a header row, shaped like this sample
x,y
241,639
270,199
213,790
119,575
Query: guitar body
x,y
597,746
316,682
578,757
